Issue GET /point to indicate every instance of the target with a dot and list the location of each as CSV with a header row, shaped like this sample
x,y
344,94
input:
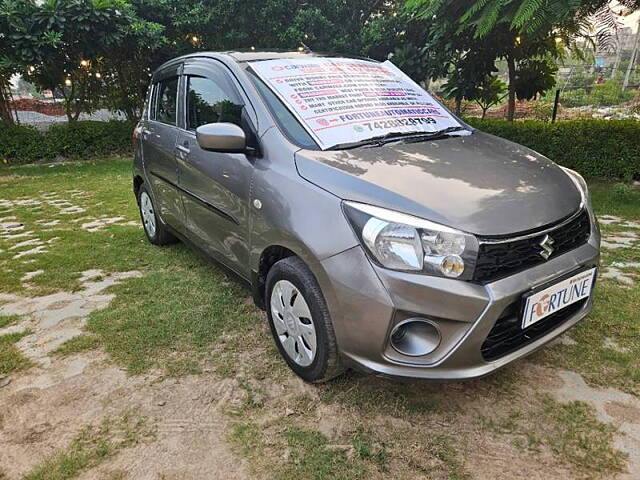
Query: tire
x,y
156,231
290,281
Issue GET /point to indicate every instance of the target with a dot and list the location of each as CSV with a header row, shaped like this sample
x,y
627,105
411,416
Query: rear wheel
x,y
300,321
157,233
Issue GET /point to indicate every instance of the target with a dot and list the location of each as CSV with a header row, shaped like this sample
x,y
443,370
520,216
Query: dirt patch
x,y
95,225
51,199
190,431
614,220
44,409
499,427
610,343
612,406
623,412
502,460
42,419
619,240
58,317
615,273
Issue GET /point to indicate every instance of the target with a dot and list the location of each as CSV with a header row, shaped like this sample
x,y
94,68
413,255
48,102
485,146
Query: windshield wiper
x,y
433,135
376,141
396,136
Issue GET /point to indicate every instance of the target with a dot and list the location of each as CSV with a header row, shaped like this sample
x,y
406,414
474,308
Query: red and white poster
x,y
342,100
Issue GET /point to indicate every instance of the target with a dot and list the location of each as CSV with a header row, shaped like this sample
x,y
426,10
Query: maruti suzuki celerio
x,y
377,230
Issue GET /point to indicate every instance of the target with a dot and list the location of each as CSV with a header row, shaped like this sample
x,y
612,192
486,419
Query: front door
x,y
160,133
215,186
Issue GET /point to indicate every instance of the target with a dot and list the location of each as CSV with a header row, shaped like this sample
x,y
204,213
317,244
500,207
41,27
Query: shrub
x,y
622,191
574,98
595,148
610,93
22,144
542,110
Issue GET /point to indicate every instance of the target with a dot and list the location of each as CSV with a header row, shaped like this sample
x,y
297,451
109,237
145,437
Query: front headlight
x,y
403,242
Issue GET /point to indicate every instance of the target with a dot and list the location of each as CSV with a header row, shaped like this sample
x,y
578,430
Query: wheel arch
x,y
138,181
268,257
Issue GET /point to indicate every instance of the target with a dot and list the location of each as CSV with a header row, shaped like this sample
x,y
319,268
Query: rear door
x,y
159,137
215,186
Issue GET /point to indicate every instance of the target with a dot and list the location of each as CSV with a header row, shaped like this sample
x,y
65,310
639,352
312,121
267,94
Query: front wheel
x,y
300,321
157,233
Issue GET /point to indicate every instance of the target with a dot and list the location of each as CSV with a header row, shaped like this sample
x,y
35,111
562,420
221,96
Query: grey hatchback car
x,y
377,230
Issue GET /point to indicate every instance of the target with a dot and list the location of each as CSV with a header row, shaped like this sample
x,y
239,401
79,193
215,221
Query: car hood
x,y
478,183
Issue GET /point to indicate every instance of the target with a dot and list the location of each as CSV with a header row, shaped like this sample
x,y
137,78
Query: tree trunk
x,y
458,106
123,86
67,110
68,96
6,112
484,112
511,105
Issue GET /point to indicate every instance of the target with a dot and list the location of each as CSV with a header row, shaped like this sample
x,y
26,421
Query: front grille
x,y
498,260
507,334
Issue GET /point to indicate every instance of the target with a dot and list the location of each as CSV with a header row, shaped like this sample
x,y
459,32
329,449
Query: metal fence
x,y
611,91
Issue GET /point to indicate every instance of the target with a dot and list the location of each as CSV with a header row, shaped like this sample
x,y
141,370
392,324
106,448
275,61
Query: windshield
x,y
287,122
343,101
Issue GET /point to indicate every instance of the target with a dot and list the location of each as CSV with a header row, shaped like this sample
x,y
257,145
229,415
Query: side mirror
x,y
221,137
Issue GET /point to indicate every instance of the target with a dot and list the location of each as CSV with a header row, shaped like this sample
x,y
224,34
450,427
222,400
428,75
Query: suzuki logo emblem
x,y
547,247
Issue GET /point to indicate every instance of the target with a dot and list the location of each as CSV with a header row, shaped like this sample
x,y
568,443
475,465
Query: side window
x,y
209,101
166,101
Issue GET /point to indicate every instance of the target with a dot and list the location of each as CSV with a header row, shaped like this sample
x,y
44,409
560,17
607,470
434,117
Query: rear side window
x,y
208,101
165,108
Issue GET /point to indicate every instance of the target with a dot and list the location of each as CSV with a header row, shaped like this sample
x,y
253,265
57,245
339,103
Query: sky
x,y
632,20
629,20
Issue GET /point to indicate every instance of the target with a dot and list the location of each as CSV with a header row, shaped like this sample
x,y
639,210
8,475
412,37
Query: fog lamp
x,y
415,337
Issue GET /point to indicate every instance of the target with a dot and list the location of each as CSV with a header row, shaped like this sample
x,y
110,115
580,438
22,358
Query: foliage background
x,y
595,148
79,140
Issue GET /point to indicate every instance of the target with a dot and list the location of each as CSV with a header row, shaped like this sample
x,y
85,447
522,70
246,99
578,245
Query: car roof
x,y
250,56
240,56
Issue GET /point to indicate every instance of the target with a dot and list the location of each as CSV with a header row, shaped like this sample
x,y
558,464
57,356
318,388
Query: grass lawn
x,y
184,315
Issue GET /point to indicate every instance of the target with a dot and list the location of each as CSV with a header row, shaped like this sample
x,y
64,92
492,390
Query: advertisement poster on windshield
x,y
342,100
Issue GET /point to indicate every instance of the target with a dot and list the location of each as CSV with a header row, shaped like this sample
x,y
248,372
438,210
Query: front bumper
x,y
366,301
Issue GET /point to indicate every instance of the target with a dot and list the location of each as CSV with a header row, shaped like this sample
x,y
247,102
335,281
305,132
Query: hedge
x,y
22,144
595,148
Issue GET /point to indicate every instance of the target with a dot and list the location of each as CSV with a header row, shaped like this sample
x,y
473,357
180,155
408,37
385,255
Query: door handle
x,y
182,152
183,149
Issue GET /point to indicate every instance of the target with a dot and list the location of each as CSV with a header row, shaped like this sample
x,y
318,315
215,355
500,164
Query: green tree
x,y
60,46
16,50
489,93
534,77
424,50
127,65
516,30
468,75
